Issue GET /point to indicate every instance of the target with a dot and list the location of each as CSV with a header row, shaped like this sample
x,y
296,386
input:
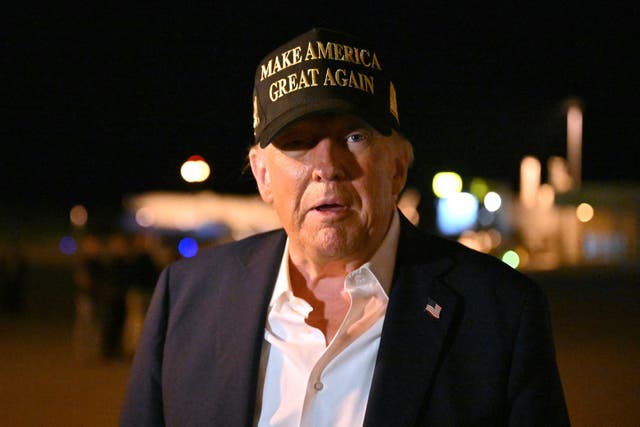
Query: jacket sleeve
x,y
142,404
535,391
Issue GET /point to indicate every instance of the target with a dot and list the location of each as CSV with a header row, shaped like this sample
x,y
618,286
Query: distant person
x,y
13,271
349,315
88,277
113,296
143,275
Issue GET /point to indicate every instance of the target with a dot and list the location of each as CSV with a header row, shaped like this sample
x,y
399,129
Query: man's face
x,y
333,181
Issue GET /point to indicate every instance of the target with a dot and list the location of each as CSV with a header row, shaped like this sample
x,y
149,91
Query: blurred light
x,y
188,247
457,213
479,188
446,184
584,212
486,218
145,217
511,258
523,255
492,201
605,246
485,240
68,245
546,196
495,236
470,239
78,215
480,241
558,172
211,231
408,205
243,215
195,169
529,181
574,141
185,220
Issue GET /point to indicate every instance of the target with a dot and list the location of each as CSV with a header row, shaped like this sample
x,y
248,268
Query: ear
x,y
402,159
257,160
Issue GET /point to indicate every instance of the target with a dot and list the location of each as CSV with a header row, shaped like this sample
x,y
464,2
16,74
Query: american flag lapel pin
x,y
433,308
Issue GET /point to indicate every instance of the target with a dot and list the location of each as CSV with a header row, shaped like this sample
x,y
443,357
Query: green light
x,y
511,258
479,188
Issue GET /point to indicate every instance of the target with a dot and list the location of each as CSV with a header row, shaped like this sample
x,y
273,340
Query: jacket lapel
x,y
260,265
412,338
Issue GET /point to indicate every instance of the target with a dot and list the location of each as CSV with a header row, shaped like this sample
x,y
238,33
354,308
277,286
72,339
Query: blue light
x,y
457,213
68,245
188,247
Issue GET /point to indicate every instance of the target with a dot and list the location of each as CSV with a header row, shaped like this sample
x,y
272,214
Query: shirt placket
x,y
361,287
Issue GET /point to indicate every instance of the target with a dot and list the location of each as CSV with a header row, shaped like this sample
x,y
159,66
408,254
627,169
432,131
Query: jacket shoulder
x,y
242,251
464,269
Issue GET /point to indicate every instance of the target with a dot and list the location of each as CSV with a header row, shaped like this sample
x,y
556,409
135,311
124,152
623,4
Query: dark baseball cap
x,y
320,71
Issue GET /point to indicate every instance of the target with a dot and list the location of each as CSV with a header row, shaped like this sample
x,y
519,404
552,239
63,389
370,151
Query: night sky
x,y
101,103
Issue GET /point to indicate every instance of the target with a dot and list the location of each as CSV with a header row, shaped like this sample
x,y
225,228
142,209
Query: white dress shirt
x,y
305,382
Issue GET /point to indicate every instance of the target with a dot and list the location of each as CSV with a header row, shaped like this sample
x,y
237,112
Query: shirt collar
x,y
384,260
381,263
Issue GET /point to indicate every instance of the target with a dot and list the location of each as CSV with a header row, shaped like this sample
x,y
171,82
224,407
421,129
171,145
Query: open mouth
x,y
329,207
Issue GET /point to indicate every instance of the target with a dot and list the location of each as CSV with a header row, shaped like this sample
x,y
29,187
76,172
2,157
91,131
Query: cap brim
x,y
318,107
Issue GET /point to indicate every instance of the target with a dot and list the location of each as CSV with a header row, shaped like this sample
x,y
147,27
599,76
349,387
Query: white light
x,y
145,217
492,201
195,169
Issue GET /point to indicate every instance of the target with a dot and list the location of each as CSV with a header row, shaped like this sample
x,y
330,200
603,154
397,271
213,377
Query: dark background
x,y
98,103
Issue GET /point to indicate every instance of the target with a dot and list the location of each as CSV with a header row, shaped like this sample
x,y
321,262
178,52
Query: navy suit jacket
x,y
488,360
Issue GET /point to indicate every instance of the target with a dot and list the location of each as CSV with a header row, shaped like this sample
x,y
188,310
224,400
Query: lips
x,y
331,204
329,207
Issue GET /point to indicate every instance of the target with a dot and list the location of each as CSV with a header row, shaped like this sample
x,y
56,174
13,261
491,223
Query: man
x,y
350,315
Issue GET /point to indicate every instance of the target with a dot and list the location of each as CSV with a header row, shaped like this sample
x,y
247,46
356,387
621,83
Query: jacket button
x,y
318,386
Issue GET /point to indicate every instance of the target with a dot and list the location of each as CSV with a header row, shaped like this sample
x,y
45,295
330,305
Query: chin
x,y
334,242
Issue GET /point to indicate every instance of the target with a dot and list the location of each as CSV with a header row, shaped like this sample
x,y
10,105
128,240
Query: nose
x,y
330,160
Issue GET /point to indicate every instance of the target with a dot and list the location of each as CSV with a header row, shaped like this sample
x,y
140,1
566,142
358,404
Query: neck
x,y
325,293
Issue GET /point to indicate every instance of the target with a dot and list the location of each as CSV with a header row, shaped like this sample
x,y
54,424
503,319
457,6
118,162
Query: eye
x,y
359,138
293,143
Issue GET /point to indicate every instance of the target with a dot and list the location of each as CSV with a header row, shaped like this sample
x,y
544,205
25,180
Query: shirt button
x,y
318,386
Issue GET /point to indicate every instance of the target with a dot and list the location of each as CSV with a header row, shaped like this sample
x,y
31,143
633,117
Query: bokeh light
x,y
530,170
68,245
195,169
546,196
78,215
408,205
188,247
446,184
145,217
495,236
492,201
511,258
584,212
456,213
479,188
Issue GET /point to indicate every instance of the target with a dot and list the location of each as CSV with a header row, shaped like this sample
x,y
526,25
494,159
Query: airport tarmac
x,y
595,313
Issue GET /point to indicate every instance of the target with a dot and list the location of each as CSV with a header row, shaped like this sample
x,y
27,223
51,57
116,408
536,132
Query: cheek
x,y
381,176
287,182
